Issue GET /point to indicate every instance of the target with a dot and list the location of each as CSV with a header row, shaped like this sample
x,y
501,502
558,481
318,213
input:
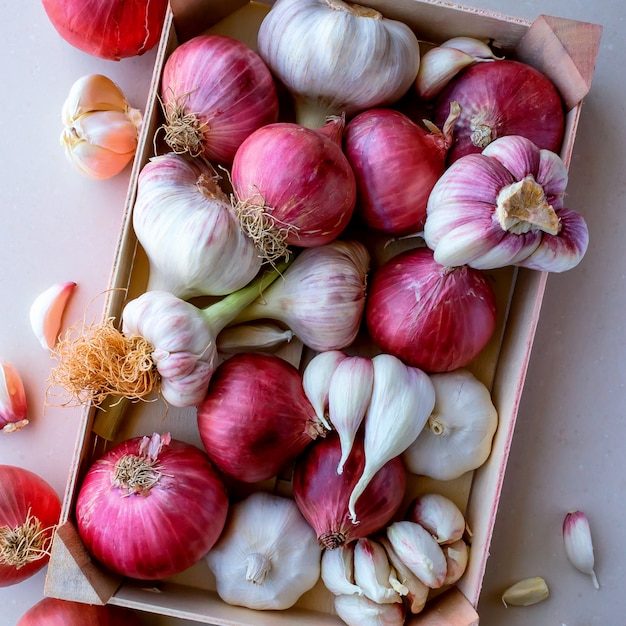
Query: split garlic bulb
x,y
267,556
337,57
100,128
459,432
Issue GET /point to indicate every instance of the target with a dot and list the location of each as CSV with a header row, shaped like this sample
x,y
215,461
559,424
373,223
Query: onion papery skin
x,y
162,531
109,29
226,86
255,418
432,317
302,177
25,495
508,98
396,164
322,494
56,612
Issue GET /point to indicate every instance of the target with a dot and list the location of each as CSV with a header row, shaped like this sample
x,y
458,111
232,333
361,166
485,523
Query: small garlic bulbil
x,y
46,312
101,129
12,399
526,592
578,544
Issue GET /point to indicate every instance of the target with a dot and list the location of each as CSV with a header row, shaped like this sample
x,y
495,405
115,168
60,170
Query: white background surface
x,y
568,450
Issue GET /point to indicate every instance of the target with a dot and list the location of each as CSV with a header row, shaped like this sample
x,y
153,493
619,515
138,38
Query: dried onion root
x,y
24,544
101,361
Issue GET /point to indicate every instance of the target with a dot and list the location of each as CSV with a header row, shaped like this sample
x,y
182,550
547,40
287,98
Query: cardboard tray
x,y
565,51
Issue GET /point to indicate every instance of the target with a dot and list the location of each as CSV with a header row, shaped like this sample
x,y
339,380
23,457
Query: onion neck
x,y
259,567
522,207
332,540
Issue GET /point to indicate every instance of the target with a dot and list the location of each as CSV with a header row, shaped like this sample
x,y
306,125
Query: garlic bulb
x,y
439,515
503,207
373,572
357,610
402,399
459,432
337,57
441,64
101,129
267,556
192,239
338,570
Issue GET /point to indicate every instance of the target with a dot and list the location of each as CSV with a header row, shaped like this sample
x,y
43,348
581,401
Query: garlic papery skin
x,y
439,515
337,57
526,592
13,406
261,336
46,312
416,591
457,557
349,396
419,551
459,432
320,297
338,570
101,129
357,610
578,544
267,556
498,207
402,399
316,379
372,571
192,239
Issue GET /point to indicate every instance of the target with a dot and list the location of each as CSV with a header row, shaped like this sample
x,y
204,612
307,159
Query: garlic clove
x,y
111,130
46,312
372,571
439,515
349,396
437,68
419,551
470,45
357,610
13,405
526,592
578,544
262,336
416,591
338,570
457,556
316,381
93,92
94,161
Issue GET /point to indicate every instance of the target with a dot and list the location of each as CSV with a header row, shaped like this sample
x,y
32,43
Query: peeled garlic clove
x,y
439,515
357,610
12,399
372,571
338,570
578,544
316,381
349,396
46,312
526,592
419,551
416,591
457,556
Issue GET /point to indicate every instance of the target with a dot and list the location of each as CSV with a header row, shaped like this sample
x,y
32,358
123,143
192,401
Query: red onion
x,y
215,92
55,612
109,29
396,164
295,186
29,512
151,507
432,317
322,494
255,418
502,97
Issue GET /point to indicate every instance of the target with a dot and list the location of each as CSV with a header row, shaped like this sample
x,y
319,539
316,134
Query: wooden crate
x,y
565,51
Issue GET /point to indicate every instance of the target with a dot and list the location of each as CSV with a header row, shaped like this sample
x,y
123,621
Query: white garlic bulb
x,y
337,57
100,128
267,556
458,435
